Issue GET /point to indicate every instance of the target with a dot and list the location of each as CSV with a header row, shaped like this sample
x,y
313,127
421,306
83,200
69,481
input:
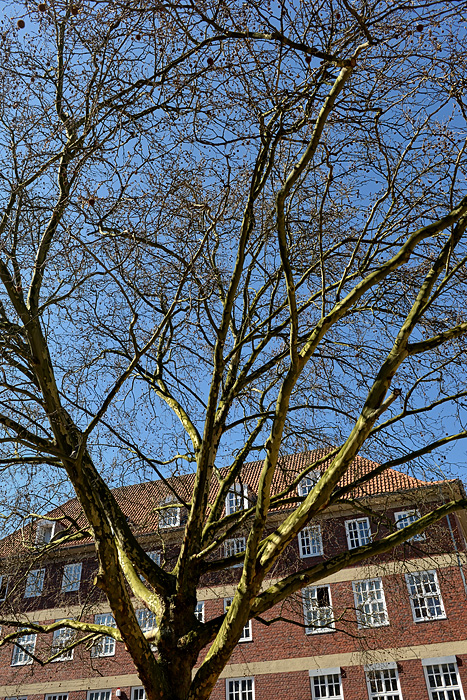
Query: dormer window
x,y
308,482
46,529
169,517
237,498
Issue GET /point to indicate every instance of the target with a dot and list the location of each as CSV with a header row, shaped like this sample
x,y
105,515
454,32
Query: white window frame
x,y
382,674
21,657
71,580
199,611
61,638
310,541
105,645
308,483
34,583
355,537
407,517
370,603
236,499
45,531
155,555
17,697
245,689
318,618
138,693
99,694
4,583
326,674
429,666
56,696
169,517
232,546
146,619
247,632
425,596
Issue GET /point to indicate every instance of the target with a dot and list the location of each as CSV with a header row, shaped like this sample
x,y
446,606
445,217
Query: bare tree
x,y
228,231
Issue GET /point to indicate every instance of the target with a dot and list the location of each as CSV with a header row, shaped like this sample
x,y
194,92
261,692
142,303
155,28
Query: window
x,y
61,639
199,611
310,542
71,578
383,681
17,697
442,678
318,609
307,483
237,498
34,583
425,596
138,693
146,619
247,632
358,532
104,646
99,694
326,683
53,696
240,689
24,646
370,603
4,580
234,546
45,531
155,556
407,517
169,517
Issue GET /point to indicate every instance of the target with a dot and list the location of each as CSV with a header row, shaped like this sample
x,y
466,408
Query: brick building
x,y
391,629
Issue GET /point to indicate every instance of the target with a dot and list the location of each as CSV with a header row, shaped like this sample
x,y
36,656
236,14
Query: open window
x,y
46,531
317,608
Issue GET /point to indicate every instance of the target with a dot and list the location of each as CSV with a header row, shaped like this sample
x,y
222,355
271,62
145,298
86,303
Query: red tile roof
x,y
139,501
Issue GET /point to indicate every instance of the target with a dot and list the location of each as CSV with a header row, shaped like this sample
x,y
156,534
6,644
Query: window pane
x,y
99,694
25,646
34,583
146,619
105,646
407,517
318,609
199,611
443,682
370,603
169,517
71,577
358,532
247,632
234,546
307,483
425,596
61,639
138,694
326,686
310,541
236,499
383,684
240,689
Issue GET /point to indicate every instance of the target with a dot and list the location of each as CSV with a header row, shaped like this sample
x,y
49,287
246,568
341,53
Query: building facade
x,y
391,629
